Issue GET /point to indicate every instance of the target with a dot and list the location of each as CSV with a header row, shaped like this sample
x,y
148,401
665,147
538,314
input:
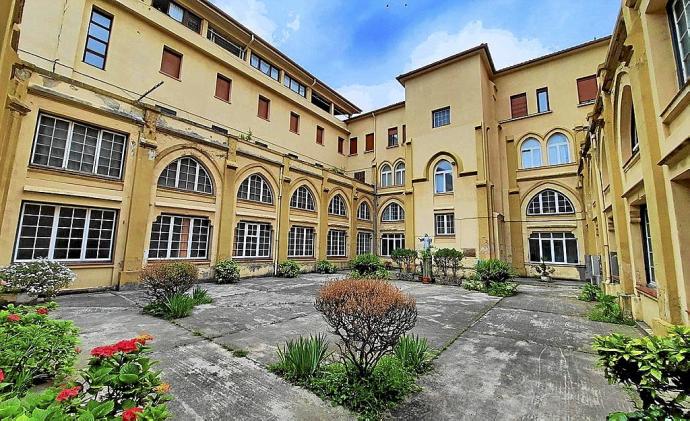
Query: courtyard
x,y
522,357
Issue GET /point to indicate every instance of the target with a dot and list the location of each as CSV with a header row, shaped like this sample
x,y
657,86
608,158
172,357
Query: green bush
x,y
226,272
163,280
493,270
502,289
414,353
366,264
39,278
176,306
589,292
657,367
301,359
608,310
289,269
473,285
405,258
448,259
324,266
200,296
381,274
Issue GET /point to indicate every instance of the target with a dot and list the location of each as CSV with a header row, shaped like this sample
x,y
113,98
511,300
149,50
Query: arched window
x,y
531,153
256,189
558,149
337,206
443,177
550,202
186,174
400,174
302,199
393,212
364,212
386,176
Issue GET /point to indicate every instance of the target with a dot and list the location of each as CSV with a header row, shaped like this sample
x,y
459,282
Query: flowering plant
x,y
40,277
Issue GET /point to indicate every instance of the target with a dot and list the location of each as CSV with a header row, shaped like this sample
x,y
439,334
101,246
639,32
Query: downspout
x,y
244,50
374,212
280,212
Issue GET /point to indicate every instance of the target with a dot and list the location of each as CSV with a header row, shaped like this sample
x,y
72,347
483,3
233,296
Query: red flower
x,y
126,346
2,375
13,318
70,393
104,351
42,310
131,414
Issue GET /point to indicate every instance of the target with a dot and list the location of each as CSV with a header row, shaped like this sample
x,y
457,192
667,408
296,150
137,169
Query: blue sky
x,y
358,47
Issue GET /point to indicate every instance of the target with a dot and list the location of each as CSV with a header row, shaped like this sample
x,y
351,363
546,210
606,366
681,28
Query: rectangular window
x,y
336,243
223,87
393,137
264,67
553,247
301,242
369,143
320,102
587,89
179,13
391,242
294,85
364,242
341,145
543,100
171,63
223,42
264,108
98,38
353,146
253,239
179,237
634,139
679,14
359,176
445,224
319,135
65,233
440,117
647,247
518,105
73,146
294,123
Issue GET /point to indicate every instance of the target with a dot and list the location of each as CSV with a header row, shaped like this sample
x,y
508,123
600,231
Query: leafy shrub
x,y
608,310
473,285
200,296
589,292
502,289
289,269
163,280
178,306
39,278
493,270
414,353
366,264
657,367
324,266
369,316
380,274
301,359
448,259
404,258
226,272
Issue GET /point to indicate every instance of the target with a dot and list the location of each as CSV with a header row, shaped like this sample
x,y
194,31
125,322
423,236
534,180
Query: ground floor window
x,y
364,242
553,247
445,224
336,243
301,242
390,242
647,247
253,239
65,233
179,237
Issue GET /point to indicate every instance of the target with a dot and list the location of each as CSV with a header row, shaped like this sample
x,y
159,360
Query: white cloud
x,y
294,24
369,97
254,14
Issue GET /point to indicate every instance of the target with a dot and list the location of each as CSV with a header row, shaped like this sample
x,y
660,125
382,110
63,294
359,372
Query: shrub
x,y
178,306
589,292
39,278
608,310
324,266
366,264
473,285
404,258
493,270
447,259
226,272
301,359
163,280
502,289
657,367
381,274
289,269
200,296
414,353
369,316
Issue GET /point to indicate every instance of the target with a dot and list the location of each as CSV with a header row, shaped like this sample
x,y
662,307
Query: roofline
x,y
232,20
448,60
376,111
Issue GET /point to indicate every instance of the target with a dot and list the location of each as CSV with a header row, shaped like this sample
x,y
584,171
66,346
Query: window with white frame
x,y
391,242
186,174
440,117
443,177
550,202
393,213
335,246
65,233
252,239
364,242
302,199
264,67
256,189
179,237
337,206
65,144
553,247
530,151
679,11
400,174
558,149
445,224
386,176
301,242
294,85
364,212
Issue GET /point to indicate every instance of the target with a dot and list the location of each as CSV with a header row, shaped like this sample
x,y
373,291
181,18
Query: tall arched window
x,y
400,174
337,206
550,202
186,174
443,177
531,153
256,189
364,212
302,199
386,176
558,149
393,212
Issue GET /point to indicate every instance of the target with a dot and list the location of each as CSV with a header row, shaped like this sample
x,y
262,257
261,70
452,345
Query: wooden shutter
x,y
353,146
369,143
319,135
518,105
171,63
587,88
264,107
223,88
294,123
341,145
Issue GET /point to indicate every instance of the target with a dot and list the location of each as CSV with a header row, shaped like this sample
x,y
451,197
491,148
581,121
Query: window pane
x,y
35,231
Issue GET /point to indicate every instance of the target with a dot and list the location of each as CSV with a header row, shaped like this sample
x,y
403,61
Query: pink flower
x,y
2,375
13,318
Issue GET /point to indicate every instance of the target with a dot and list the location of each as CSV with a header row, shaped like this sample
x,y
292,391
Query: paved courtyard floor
x,y
522,357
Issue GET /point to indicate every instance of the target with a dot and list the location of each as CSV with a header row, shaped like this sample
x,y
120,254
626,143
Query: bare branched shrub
x,y
369,316
165,279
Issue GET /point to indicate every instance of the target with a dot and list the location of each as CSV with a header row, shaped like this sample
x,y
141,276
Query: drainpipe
x,y
279,203
374,212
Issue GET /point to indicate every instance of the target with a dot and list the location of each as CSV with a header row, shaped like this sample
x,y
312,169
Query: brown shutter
x,y
264,107
171,63
587,88
223,88
359,176
319,135
404,139
353,146
341,145
518,105
294,123
369,143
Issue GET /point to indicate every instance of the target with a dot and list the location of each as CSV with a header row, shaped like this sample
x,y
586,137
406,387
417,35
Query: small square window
x,y
171,63
440,117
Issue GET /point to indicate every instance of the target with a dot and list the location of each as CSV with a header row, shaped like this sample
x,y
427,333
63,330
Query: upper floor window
x,y
223,87
445,224
634,140
443,177
171,63
647,247
386,176
73,146
369,142
341,145
98,38
320,102
294,122
518,105
392,213
319,135
679,10
179,13
264,67
186,174
337,206
360,176
302,199
530,151
558,149
440,117
353,146
393,137
550,202
294,85
256,189
364,212
543,100
179,237
223,42
400,174
264,110
587,89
